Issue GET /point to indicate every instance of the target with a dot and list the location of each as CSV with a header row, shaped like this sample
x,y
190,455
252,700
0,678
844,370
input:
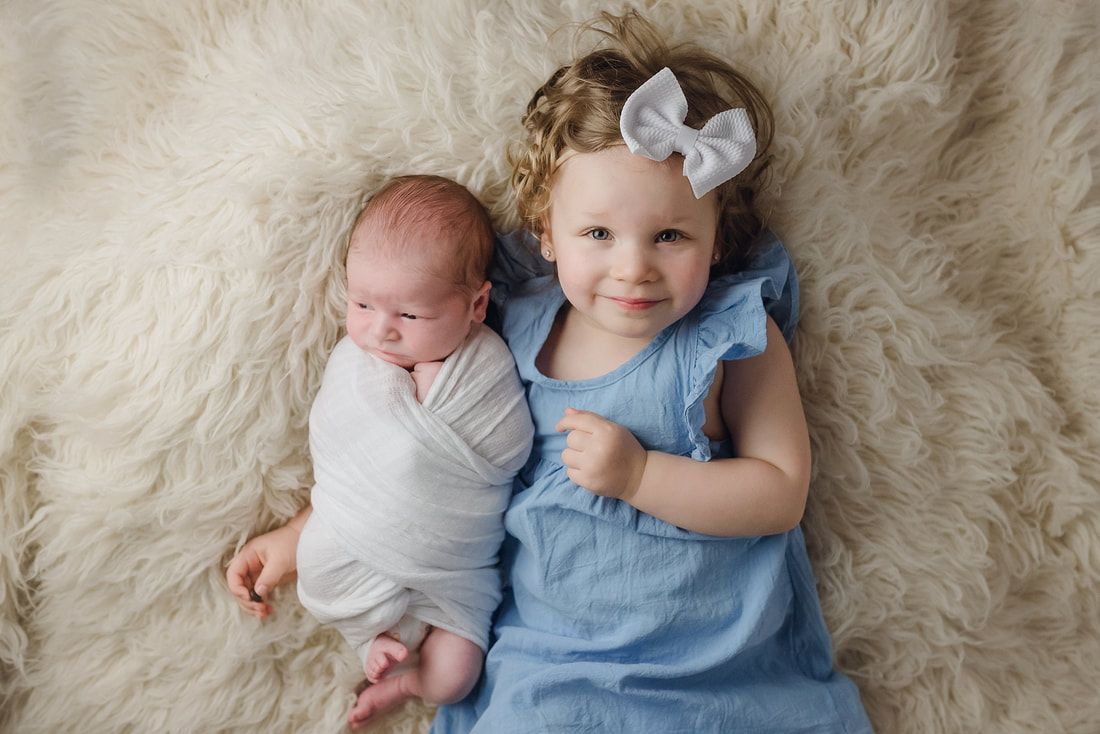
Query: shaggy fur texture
x,y
176,181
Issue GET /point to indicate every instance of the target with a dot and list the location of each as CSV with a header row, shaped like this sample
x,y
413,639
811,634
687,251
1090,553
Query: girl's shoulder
x,y
525,293
515,262
731,319
730,323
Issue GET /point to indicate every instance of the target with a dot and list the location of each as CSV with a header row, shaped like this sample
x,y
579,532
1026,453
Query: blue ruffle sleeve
x,y
731,323
732,310
515,261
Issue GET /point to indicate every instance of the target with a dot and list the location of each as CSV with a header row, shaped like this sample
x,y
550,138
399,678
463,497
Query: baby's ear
x,y
481,302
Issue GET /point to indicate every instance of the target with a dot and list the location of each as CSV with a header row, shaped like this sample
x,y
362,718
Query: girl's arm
x,y
761,492
265,562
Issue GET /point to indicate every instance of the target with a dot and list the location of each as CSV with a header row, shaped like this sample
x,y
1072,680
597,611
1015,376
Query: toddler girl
x,y
415,435
658,578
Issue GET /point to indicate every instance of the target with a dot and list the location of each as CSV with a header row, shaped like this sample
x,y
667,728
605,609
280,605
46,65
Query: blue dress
x,y
615,620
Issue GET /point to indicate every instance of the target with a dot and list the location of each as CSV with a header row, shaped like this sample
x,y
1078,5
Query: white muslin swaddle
x,y
408,498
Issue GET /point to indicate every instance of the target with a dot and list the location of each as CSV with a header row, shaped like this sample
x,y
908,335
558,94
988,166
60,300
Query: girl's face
x,y
403,314
633,245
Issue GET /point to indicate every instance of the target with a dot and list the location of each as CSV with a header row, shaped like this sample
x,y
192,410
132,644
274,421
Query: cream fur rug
x,y
176,180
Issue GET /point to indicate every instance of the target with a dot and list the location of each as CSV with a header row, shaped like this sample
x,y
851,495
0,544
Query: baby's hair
x,y
437,214
578,108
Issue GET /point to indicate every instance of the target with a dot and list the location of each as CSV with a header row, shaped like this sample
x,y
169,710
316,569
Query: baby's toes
x,y
377,669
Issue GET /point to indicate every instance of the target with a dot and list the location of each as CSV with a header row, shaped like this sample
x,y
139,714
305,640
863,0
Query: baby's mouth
x,y
390,356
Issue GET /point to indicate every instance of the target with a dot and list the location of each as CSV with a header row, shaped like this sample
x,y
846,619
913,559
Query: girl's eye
x,y
363,306
669,235
599,234
408,316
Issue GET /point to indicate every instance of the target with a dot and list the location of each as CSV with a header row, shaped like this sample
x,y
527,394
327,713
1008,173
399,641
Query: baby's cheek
x,y
443,340
356,331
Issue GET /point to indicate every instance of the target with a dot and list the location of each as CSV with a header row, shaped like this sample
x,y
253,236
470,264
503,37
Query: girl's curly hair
x,y
578,109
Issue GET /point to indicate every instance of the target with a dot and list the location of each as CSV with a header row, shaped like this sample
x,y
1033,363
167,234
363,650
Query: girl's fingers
x,y
579,420
576,439
571,458
565,424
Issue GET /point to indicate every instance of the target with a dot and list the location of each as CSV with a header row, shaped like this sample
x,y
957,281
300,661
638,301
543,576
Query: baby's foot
x,y
382,697
384,653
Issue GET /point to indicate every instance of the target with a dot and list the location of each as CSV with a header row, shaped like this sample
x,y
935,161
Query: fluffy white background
x,y
175,183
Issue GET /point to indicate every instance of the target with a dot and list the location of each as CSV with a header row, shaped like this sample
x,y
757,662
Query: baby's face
x,y
402,313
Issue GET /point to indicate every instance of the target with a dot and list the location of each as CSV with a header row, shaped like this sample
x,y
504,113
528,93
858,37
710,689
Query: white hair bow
x,y
652,124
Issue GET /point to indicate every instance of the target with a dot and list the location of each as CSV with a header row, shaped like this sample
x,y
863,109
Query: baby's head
x,y
416,264
578,109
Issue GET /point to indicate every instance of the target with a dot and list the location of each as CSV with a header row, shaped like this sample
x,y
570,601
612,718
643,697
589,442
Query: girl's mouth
x,y
635,304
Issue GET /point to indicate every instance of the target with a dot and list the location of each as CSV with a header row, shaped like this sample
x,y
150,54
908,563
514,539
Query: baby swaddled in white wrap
x,y
408,498
418,428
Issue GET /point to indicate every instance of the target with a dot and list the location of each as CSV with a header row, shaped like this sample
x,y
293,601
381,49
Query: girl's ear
x,y
546,247
481,302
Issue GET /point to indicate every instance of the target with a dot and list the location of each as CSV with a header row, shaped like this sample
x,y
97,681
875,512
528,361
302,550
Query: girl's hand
x,y
601,456
263,563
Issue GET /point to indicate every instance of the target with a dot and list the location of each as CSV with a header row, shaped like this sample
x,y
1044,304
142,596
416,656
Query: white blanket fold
x,y
417,492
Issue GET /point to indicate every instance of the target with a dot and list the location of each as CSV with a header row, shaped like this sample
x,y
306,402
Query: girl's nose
x,y
631,263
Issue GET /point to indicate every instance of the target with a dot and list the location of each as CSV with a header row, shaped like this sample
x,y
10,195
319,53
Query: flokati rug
x,y
176,180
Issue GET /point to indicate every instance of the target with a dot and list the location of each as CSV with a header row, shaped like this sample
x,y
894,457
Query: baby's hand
x,y
424,374
263,563
601,456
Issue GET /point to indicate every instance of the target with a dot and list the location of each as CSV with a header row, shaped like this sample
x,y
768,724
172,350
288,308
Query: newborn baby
x,y
416,433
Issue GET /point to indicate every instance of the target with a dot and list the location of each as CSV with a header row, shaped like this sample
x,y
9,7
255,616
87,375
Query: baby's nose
x,y
384,328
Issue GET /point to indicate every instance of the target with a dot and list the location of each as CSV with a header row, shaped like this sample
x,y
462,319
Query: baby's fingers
x,y
253,603
235,576
259,610
246,566
240,572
